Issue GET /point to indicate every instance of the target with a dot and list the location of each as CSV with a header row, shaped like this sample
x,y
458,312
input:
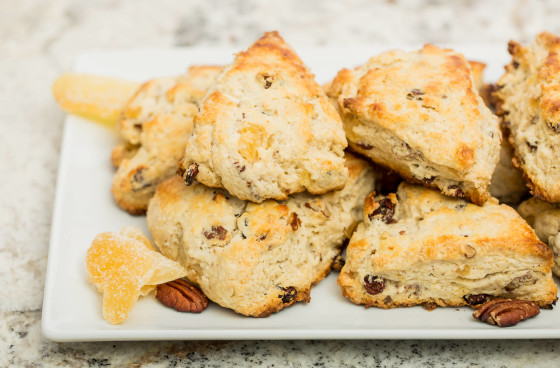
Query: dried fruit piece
x,y
191,174
182,296
383,209
374,284
506,312
124,266
289,295
476,299
294,221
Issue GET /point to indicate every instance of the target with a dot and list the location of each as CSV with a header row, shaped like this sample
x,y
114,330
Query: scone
x,y
419,114
256,258
420,247
544,218
266,129
155,125
528,97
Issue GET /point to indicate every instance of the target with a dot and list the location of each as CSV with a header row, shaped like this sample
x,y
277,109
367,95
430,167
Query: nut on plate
x,y
182,296
506,312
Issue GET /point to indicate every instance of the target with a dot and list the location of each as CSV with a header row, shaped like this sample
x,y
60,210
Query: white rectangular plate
x,y
84,207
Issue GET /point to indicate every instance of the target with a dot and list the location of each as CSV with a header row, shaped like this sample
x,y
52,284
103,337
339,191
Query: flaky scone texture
x,y
420,247
155,125
256,258
419,113
528,97
507,184
266,129
544,218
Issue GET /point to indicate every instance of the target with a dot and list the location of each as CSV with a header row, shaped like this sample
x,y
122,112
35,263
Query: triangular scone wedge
x,y
544,218
256,258
528,100
155,124
266,129
419,114
420,247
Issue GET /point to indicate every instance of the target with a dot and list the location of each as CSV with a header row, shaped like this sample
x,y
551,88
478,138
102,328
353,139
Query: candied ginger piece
x,y
124,266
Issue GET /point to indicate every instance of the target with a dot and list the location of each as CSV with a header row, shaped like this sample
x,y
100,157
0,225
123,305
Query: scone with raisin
x,y
266,129
155,125
528,100
544,218
420,247
419,113
256,258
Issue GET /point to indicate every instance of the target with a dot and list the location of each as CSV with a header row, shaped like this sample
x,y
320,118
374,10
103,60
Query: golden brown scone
x,y
528,97
266,129
544,218
419,114
256,258
420,247
155,125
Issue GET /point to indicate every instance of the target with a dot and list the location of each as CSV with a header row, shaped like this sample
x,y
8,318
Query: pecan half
x,y
181,296
191,174
506,312
374,284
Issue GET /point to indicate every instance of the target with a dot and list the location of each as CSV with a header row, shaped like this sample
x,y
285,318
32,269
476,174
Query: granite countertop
x,y
41,39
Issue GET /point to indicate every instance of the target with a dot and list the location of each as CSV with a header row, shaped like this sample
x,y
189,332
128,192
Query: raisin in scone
x,y
544,218
256,258
419,113
154,125
528,100
420,247
266,129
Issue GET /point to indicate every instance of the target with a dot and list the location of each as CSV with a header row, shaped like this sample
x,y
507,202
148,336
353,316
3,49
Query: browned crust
x,y
550,107
430,303
474,196
302,295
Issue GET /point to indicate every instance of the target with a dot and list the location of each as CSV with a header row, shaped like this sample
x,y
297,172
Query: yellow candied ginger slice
x,y
124,266
92,96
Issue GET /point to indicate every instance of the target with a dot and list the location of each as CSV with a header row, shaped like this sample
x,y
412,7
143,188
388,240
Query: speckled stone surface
x,y
40,39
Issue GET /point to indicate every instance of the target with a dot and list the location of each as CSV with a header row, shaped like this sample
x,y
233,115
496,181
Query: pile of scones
x,y
255,178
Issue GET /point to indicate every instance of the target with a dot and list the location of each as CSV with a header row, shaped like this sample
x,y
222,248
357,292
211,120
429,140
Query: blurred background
x,y
40,39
